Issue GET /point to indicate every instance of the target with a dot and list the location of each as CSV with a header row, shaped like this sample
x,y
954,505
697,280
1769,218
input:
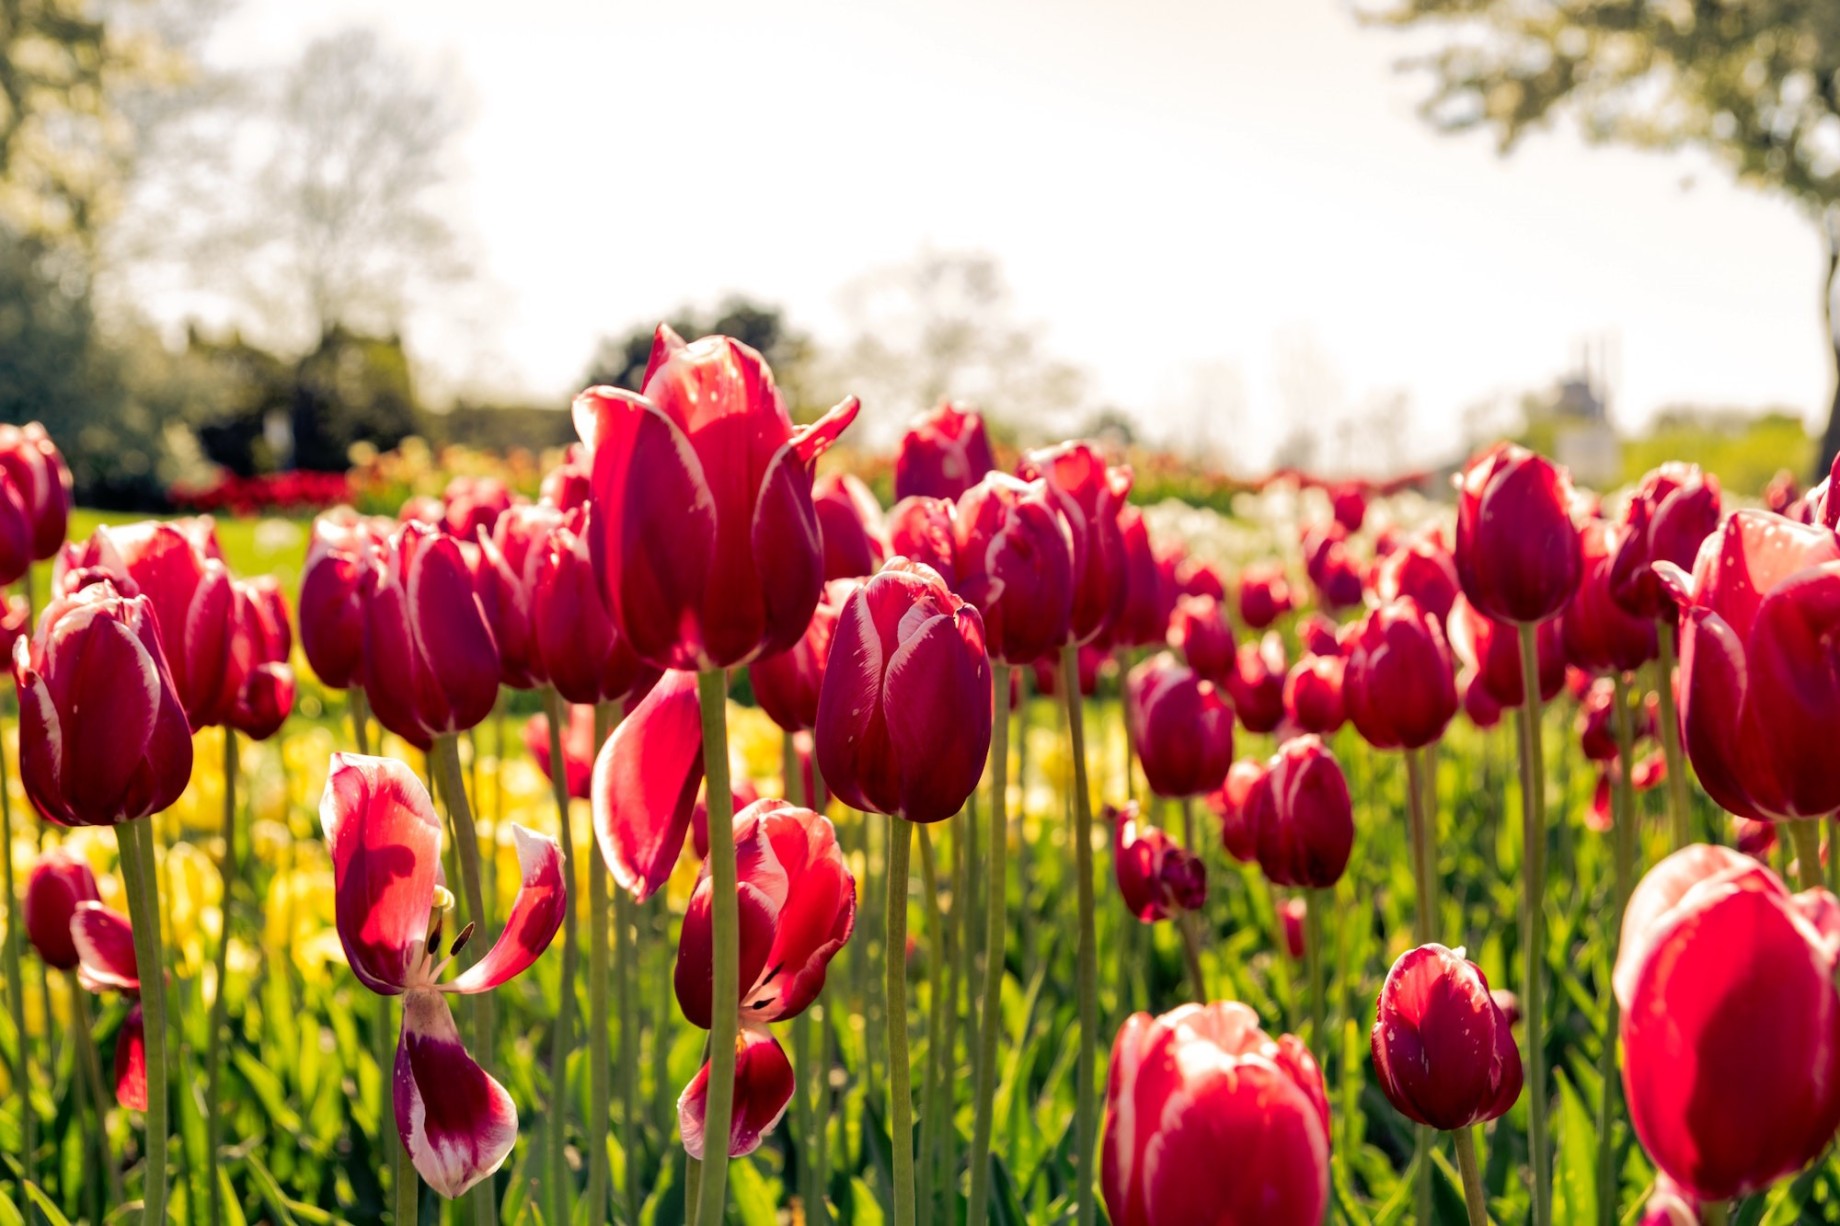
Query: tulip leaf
x,y
1575,1175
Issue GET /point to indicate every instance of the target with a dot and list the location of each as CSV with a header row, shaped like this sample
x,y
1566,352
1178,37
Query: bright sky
x,y
1171,188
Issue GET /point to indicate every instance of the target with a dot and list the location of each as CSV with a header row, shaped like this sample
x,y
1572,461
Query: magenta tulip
x,y
1517,552
1670,515
331,595
1264,594
1443,1052
1089,496
787,684
1302,816
1400,683
645,781
1182,728
1156,877
58,883
577,645
1199,629
1256,684
849,525
1421,568
944,453
32,466
1013,559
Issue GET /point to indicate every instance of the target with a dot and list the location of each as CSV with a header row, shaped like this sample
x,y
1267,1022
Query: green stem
x,y
958,991
1191,841
1624,821
624,955
1678,795
383,1043
91,1061
142,879
359,704
408,1195
995,931
712,694
600,1091
1424,863
1315,902
214,1061
935,1023
1472,1178
1533,865
1189,925
1714,1213
16,987
1086,1102
562,1040
900,1091
1805,835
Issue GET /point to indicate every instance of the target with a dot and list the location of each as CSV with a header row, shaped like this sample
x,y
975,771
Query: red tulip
x,y
1491,650
1670,515
1047,670
1013,559
1193,578
1200,631
103,738
741,794
571,483
1256,684
1089,497
943,454
1157,878
512,555
1517,551
1759,688
331,600
456,1123
850,526
786,684
422,509
1302,815
1754,838
764,1084
923,529
577,645
15,533
904,719
798,908
59,881
1207,1119
430,662
1318,636
15,623
645,781
1348,502
1313,694
1781,492
578,748
472,505
1264,594
261,644
706,539
1444,1054
1483,709
1730,1022
1182,729
1148,594
1422,569
1293,914
32,466
103,943
1237,833
1400,683
1333,571
1600,636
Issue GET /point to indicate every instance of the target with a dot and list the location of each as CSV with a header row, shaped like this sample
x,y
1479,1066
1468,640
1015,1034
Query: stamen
x,y
466,934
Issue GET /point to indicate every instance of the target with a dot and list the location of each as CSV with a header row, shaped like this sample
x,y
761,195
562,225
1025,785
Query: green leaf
x,y
1575,1161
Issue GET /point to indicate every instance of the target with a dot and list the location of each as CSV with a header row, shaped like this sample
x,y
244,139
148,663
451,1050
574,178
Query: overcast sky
x,y
1172,188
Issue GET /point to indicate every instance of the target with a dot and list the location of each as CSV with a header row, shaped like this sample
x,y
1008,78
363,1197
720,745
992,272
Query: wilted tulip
x,y
705,536
764,1084
904,716
1517,552
1730,1022
1600,636
645,781
1256,684
1208,1119
578,647
1313,694
32,465
512,554
103,738
786,684
1672,512
103,941
1264,594
331,597
1237,833
1182,729
1199,630
1157,878
578,748
944,453
1490,650
1400,683
456,1123
1302,816
1013,559
59,881
430,662
849,525
1444,1054
1089,496
1421,568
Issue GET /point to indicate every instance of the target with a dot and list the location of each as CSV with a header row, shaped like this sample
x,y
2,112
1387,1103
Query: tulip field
x,y
1380,852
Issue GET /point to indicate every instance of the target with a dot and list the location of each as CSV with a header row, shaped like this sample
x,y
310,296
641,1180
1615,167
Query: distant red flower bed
x,y
271,492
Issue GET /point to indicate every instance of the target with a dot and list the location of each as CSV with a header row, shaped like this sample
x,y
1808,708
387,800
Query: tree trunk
x,y
1830,438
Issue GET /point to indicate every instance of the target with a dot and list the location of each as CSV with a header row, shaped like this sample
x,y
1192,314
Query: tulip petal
x,y
455,1121
131,1061
645,783
385,844
536,914
937,702
814,440
105,949
1710,686
763,1090
788,555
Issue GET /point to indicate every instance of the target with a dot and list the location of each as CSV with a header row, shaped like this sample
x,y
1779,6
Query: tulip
x,y
1089,496
1333,571
707,542
1318,636
742,793
425,510
645,782
1304,819
1237,833
1182,729
787,684
1443,1052
904,721
1399,684
261,647
1256,684
1482,707
1208,1119
571,483
1517,554
331,599
59,882
1264,594
1313,694
512,556
1293,917
1730,1022
1781,492
1348,502
15,532
1422,569
455,1122
103,941
1196,578
1156,877
15,622
1199,630
472,505
1047,673
923,529
850,526
764,1085
1672,512
1488,649
577,645
1598,634
943,454
1149,596
1669,1206
1753,838
32,466
1013,558
578,748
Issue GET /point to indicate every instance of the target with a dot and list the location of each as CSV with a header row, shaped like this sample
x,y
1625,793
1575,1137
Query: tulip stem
x,y
804,1106
445,762
562,1039
1678,795
712,696
935,1023
1088,966
1806,837
894,967
1624,832
16,987
359,704
134,841
91,1062
1533,936
600,1090
1190,926
990,1020
214,1063
1315,902
408,1195
1472,1178
1424,864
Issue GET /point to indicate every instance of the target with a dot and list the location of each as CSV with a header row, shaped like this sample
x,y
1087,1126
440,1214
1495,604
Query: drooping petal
x,y
763,1090
645,783
536,914
105,949
456,1123
385,844
131,1061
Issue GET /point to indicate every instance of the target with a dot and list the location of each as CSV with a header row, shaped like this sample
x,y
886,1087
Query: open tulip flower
x,y
1156,877
1517,553
1444,1053
1209,1119
645,782
707,542
944,453
1182,728
103,942
456,1123
1089,496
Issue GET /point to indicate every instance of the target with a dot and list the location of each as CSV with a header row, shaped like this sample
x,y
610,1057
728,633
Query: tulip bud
x,y
1400,683
1182,729
512,553
59,881
1089,496
1600,636
1199,630
1207,1119
1302,815
1672,512
331,605
1517,551
849,525
1444,1054
103,738
1313,694
1256,684
1490,649
787,684
1014,560
1237,833
577,645
1422,569
943,454
32,465
904,721
471,505
1264,594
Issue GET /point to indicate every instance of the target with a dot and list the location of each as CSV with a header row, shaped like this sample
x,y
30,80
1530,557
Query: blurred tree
x,y
1756,83
619,361
254,391
351,389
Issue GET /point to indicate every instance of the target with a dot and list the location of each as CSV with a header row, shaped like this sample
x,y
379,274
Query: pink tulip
x,y
58,883
944,453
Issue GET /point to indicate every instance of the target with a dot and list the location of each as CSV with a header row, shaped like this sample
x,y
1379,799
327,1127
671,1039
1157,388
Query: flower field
x,y
1074,860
